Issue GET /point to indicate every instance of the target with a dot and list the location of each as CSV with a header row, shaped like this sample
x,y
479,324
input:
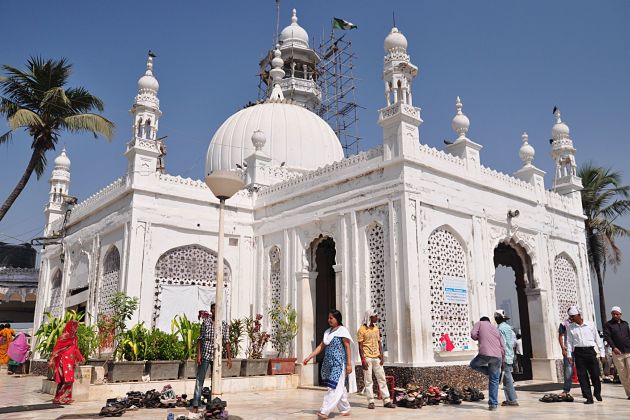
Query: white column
x,y
305,281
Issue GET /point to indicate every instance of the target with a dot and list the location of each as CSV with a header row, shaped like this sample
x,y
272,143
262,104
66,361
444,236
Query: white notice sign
x,y
455,289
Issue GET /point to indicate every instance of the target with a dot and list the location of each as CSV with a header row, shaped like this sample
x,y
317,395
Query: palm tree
x,y
38,101
604,199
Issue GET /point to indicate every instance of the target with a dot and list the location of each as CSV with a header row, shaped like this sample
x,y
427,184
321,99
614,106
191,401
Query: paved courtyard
x,y
303,404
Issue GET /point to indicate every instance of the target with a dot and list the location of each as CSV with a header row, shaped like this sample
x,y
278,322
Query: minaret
x,y
299,81
399,119
145,151
59,190
566,180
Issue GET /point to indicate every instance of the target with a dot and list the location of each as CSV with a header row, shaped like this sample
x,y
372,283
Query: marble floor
x,y
303,404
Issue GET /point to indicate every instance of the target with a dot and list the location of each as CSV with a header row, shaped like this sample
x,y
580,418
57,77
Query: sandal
x,y
568,398
322,416
548,398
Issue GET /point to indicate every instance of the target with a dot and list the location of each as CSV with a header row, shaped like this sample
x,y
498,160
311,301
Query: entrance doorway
x,y
323,255
513,269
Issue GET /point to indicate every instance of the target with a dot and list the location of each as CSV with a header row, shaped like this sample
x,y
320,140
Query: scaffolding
x,y
336,81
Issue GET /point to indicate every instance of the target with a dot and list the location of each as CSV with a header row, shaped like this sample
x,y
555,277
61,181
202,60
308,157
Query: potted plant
x,y
254,364
188,332
129,355
163,353
236,331
284,331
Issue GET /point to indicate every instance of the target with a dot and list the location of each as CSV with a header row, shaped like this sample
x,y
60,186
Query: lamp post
x,y
223,184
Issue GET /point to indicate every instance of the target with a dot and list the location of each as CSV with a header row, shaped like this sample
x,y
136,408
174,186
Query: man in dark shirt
x,y
617,334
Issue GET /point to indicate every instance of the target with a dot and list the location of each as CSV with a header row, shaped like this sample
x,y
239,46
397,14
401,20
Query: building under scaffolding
x,y
321,81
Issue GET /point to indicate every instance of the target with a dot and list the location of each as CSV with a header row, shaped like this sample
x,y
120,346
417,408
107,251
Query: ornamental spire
x,y
276,73
526,152
460,123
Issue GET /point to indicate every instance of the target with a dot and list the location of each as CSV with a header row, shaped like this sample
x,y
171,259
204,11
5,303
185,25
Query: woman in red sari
x,y
64,357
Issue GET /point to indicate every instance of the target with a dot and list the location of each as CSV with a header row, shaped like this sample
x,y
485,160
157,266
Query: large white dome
x,y
295,136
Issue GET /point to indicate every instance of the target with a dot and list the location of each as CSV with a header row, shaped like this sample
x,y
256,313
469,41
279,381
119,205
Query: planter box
x,y
254,367
161,370
125,371
235,371
281,366
188,369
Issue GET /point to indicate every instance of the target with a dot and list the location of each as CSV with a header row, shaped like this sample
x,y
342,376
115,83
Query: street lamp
x,y
223,184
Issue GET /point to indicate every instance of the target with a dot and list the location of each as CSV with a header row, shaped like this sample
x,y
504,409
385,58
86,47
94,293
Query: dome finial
x,y
259,140
148,81
150,57
526,152
460,123
294,18
277,73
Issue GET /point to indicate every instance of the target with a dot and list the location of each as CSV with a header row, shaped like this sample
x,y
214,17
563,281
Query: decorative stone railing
x,y
506,180
178,180
558,201
321,172
439,154
95,201
18,275
280,172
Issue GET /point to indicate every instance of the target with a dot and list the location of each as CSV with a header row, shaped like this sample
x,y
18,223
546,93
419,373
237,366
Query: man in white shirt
x,y
582,339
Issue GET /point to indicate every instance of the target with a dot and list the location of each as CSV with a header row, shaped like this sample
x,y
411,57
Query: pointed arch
x,y
447,261
189,265
565,283
375,237
110,280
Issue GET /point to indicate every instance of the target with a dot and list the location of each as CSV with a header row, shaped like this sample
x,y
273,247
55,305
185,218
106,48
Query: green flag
x,y
343,24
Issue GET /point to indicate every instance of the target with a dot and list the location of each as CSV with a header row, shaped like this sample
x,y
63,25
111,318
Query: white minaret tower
x,y
59,191
399,119
566,181
145,150
299,81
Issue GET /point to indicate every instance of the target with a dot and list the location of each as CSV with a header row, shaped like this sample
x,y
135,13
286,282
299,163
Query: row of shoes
x,y
115,407
413,396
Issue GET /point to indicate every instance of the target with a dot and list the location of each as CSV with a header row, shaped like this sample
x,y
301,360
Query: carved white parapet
x,y
406,113
468,150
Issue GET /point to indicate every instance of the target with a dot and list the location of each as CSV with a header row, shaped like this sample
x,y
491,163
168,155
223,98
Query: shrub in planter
x,y
47,334
88,340
284,331
163,353
255,365
130,354
188,332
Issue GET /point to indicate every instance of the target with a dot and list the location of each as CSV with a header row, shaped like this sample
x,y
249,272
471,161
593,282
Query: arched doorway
x,y
512,261
323,258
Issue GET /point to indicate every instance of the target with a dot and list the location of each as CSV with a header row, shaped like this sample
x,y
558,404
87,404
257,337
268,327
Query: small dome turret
x,y
148,81
395,39
559,130
62,161
294,34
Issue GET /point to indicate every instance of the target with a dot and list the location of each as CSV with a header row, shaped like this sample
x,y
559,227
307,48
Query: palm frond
x,y
93,123
6,137
55,95
83,101
24,118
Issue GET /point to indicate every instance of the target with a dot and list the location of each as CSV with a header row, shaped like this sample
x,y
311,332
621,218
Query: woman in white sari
x,y
336,366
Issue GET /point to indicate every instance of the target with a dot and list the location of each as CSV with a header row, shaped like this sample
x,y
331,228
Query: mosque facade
x,y
412,231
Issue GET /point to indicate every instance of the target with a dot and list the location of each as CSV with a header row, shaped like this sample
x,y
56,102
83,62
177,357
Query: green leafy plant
x,y
88,340
111,328
48,333
284,320
188,332
257,337
163,346
236,332
132,344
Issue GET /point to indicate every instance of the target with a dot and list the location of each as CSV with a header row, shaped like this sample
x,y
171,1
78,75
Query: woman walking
x,y
337,365
64,357
18,352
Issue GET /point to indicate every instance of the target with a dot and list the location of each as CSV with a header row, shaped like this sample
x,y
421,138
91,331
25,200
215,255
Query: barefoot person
x,y
336,366
617,334
65,356
490,357
371,352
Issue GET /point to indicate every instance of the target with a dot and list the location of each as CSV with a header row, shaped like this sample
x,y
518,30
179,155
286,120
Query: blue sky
x,y
510,62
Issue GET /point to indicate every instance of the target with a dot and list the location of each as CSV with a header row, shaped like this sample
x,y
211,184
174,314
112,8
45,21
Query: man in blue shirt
x,y
508,337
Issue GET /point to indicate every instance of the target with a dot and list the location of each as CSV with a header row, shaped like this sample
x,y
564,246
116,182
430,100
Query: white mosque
x,y
405,228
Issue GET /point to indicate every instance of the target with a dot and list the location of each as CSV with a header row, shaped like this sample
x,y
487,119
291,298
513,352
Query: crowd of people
x,y
14,348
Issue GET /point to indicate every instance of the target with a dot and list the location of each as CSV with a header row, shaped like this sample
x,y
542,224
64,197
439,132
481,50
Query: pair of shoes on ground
x,y
387,405
509,404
